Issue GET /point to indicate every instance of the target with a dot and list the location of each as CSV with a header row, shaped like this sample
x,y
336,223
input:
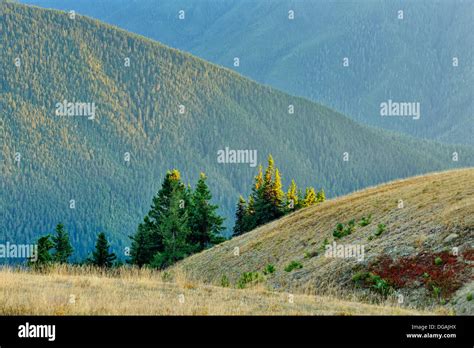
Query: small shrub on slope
x,y
310,254
269,269
342,231
380,229
374,282
438,261
225,281
365,220
339,231
248,278
293,265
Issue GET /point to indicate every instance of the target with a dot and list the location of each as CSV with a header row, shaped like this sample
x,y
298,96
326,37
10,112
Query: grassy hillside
x,y
437,215
82,291
47,57
404,60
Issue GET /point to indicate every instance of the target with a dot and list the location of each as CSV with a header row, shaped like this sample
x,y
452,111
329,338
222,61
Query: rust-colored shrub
x,y
468,255
411,271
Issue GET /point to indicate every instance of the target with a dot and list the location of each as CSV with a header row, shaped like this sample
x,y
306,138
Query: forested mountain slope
x,y
409,59
167,109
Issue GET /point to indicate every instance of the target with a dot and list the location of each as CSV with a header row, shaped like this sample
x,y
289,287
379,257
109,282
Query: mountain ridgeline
x,y
349,55
140,109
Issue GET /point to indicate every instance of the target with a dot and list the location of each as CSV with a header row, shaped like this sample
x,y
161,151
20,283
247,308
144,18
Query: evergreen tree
x,y
269,173
310,197
61,244
256,207
161,201
240,213
205,223
321,196
258,179
300,199
174,232
265,213
148,241
250,218
292,199
101,256
270,207
141,251
277,194
43,253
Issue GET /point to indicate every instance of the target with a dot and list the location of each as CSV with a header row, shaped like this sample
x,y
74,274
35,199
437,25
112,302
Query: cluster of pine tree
x,y
268,202
180,222
58,249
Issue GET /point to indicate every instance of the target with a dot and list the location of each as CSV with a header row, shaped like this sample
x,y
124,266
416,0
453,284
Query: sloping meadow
x,y
411,242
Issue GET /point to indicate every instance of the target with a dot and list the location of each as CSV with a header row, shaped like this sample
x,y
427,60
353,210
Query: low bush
x,y
380,229
325,242
365,220
293,265
248,278
342,231
374,282
269,269
339,231
310,254
225,281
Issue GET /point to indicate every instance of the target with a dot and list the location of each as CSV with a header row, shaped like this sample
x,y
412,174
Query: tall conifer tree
x,y
62,246
174,232
205,223
321,196
148,240
292,197
240,213
250,219
101,256
256,206
277,194
310,197
44,257
142,249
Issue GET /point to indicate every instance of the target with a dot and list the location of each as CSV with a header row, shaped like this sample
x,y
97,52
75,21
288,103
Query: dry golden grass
x,y
86,291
